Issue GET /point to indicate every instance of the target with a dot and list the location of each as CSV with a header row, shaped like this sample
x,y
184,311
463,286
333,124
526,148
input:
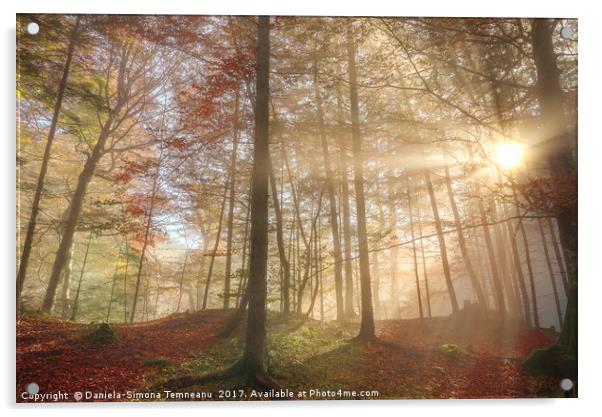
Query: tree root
x,y
258,379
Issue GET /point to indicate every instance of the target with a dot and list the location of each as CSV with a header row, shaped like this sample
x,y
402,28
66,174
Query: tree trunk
x,y
66,283
495,277
393,252
35,207
181,287
215,247
426,280
253,357
73,212
367,317
418,295
441,238
347,264
557,255
330,187
476,284
284,263
81,278
550,271
233,158
146,236
560,158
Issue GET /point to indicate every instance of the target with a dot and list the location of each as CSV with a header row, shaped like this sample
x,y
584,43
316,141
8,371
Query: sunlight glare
x,y
509,154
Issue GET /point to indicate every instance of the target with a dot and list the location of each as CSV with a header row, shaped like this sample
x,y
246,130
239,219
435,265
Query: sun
x,y
509,155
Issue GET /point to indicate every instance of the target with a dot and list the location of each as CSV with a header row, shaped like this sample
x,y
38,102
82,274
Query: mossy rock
x,y
450,348
552,361
102,334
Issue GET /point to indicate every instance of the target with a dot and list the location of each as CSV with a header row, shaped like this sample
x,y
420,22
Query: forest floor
x,y
438,358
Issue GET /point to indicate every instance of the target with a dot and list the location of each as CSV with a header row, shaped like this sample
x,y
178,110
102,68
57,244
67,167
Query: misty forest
x,y
379,205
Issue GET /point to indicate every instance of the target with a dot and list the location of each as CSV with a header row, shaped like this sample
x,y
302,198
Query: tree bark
x,y
367,331
560,157
442,245
215,247
147,229
254,352
35,207
410,216
228,272
81,278
476,284
73,212
330,187
284,263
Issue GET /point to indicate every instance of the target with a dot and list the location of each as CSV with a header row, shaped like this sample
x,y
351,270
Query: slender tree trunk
x,y
66,283
550,271
476,284
523,232
228,272
182,281
520,274
243,258
35,207
284,263
81,278
497,286
146,237
557,255
418,295
215,247
442,245
426,280
367,313
254,353
393,254
115,273
330,186
347,264
125,280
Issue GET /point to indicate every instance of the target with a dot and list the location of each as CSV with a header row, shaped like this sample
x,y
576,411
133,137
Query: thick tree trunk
x,y
35,207
73,212
367,313
253,357
560,158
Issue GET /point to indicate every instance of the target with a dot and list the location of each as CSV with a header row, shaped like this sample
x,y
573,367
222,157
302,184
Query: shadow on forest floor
x,y
438,358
